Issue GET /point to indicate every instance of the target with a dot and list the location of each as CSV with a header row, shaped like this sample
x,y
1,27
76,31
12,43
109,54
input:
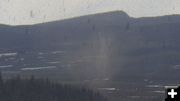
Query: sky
x,y
23,12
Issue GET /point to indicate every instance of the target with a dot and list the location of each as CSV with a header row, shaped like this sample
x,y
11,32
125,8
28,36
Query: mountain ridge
x,y
146,47
117,13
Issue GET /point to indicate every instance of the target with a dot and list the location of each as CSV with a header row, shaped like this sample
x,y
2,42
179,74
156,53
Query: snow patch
x,y
6,66
7,54
38,68
109,89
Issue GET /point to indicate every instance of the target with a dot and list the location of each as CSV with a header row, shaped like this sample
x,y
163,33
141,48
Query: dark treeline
x,y
17,89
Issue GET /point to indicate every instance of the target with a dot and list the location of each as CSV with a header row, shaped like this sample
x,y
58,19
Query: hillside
x,y
108,45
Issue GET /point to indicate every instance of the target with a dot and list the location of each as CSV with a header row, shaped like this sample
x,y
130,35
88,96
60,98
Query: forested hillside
x,y
17,89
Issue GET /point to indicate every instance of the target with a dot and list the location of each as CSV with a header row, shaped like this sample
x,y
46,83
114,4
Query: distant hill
x,y
103,45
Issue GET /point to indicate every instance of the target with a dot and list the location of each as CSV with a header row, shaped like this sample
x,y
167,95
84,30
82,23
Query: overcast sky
x,y
17,12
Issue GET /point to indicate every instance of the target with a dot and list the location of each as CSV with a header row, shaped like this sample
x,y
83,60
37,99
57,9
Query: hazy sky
x,y
36,11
